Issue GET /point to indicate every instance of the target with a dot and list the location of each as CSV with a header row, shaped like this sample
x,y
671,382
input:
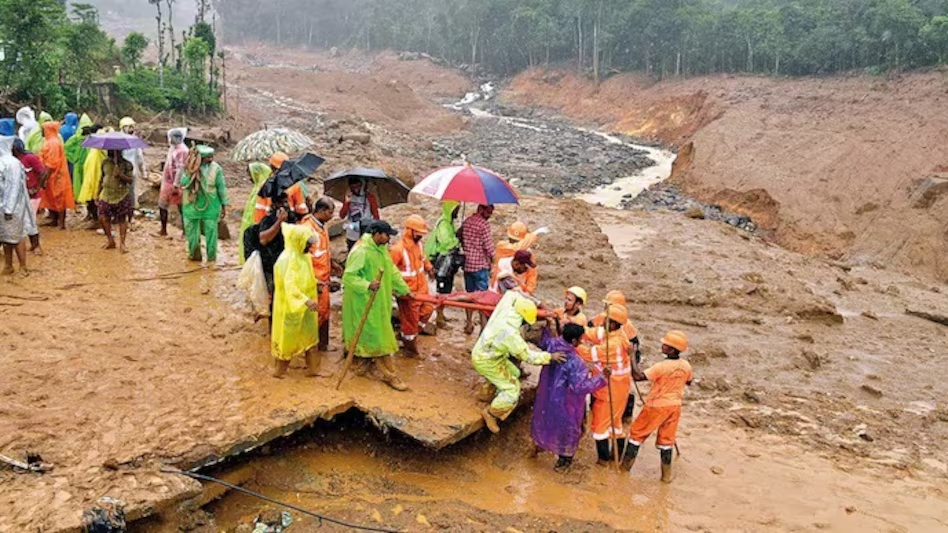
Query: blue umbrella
x,y
114,141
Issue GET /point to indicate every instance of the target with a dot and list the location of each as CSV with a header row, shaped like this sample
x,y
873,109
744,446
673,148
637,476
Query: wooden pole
x,y
355,339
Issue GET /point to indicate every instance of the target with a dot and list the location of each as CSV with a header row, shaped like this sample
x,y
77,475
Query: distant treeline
x,y
661,37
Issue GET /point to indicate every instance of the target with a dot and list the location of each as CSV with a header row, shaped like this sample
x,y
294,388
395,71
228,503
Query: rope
x,y
319,517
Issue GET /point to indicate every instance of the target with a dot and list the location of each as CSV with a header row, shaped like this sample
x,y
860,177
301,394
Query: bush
x,y
143,87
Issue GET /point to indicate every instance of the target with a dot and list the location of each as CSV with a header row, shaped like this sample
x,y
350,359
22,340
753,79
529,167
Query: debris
x,y
872,390
938,319
813,359
34,463
717,470
850,509
752,396
695,212
108,516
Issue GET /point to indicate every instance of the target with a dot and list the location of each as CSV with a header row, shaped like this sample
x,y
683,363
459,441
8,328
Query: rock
x,y
695,213
813,359
717,470
423,520
870,314
892,290
361,138
871,390
850,509
752,396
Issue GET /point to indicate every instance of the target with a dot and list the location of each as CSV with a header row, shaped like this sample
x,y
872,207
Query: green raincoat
x,y
362,268
501,340
295,329
34,143
202,208
76,154
259,172
444,238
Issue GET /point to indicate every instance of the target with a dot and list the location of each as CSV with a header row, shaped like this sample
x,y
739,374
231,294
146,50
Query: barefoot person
x,y
204,204
16,215
36,175
115,201
294,328
662,409
170,194
377,342
57,194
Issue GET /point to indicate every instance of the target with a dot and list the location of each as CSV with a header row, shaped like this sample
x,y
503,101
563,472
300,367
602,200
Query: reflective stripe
x,y
622,371
617,431
665,447
407,272
263,206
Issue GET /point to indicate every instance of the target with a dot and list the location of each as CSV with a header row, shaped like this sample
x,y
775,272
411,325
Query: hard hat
x,y
277,159
618,313
615,297
526,309
126,121
578,292
517,231
676,339
417,224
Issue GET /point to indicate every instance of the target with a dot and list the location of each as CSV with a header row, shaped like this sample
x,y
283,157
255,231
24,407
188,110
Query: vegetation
x,y
660,37
55,59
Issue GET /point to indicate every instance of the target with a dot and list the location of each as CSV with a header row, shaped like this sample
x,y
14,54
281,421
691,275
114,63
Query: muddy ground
x,y
816,388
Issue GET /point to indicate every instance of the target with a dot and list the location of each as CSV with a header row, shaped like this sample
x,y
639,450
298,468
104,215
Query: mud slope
x,y
847,166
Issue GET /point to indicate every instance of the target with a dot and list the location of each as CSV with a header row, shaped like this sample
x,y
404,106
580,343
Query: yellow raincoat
x,y
295,328
92,173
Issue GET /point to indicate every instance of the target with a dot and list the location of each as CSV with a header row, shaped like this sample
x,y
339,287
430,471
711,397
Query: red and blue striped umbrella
x,y
468,184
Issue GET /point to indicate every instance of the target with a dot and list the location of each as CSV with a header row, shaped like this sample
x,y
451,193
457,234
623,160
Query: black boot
x,y
620,445
631,452
563,463
666,465
602,449
629,408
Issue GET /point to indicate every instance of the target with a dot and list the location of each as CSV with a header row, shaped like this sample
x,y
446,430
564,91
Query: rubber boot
x,y
628,460
666,466
620,444
629,408
389,377
280,369
487,393
563,463
490,421
602,450
323,345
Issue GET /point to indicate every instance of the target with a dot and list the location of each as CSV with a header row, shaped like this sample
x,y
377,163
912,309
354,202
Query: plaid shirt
x,y
477,244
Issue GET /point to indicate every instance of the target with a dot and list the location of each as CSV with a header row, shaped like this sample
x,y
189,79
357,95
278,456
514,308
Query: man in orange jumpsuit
x,y
322,263
608,351
617,297
572,310
662,409
410,260
295,195
518,238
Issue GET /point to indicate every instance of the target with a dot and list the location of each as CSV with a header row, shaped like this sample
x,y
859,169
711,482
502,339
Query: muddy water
x,y
629,187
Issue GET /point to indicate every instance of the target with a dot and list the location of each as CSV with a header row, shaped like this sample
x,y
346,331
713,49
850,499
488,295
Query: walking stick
x,y
355,339
612,432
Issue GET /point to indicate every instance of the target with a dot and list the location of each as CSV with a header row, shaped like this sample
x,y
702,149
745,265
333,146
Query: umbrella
x,y
261,145
468,184
113,141
292,171
388,190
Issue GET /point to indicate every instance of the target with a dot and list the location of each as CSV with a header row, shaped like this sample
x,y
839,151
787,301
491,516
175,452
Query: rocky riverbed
x,y
667,197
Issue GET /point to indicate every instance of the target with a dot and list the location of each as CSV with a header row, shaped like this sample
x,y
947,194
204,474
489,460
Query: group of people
x,y
596,357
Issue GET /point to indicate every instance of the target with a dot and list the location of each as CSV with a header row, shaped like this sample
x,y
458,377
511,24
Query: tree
x,y
133,49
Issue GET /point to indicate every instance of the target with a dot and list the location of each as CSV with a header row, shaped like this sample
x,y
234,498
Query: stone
x,y
717,470
871,390
695,212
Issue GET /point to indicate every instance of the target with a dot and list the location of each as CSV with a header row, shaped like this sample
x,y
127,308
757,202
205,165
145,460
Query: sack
x,y
253,281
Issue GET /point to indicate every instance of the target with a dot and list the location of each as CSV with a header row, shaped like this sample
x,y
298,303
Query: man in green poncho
x,y
377,343
76,154
205,203
442,249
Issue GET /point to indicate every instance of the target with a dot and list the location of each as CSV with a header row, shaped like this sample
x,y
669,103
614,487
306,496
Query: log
x,y
938,319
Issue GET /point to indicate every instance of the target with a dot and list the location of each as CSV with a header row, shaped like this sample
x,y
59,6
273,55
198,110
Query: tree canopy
x,y
661,37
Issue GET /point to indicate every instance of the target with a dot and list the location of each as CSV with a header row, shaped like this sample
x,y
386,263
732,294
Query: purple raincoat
x,y
561,398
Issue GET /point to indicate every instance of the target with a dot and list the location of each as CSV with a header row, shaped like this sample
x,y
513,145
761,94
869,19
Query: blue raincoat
x,y
69,127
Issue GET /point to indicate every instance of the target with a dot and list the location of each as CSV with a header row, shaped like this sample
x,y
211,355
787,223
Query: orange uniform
x,y
322,264
630,330
295,196
578,318
410,260
662,409
620,382
506,249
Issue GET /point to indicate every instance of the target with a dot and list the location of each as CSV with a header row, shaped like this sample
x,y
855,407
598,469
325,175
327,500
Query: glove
x,y
542,231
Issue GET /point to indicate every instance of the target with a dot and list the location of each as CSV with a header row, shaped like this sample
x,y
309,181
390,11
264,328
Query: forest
x,y
660,37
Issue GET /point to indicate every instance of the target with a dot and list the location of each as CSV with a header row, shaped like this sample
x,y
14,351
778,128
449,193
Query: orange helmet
x,y
615,297
517,231
416,224
676,339
277,160
618,313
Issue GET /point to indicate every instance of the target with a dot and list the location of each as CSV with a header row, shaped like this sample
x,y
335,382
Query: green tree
x,y
133,49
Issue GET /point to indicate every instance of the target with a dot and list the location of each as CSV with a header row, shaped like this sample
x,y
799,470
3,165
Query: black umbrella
x,y
291,172
388,190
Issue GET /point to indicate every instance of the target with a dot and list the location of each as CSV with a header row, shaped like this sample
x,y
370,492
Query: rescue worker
x,y
443,250
377,342
295,194
611,346
513,272
617,297
572,310
415,269
501,340
662,409
323,266
519,238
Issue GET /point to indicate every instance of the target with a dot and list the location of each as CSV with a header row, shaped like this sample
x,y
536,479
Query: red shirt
x,y
34,169
477,244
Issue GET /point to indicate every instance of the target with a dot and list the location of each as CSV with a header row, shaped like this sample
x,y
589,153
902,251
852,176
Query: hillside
x,y
846,166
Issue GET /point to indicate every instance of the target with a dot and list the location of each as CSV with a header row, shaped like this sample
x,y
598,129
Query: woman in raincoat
x,y
70,126
34,143
92,179
27,121
170,194
377,342
500,341
204,204
76,154
57,194
16,215
259,172
295,323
